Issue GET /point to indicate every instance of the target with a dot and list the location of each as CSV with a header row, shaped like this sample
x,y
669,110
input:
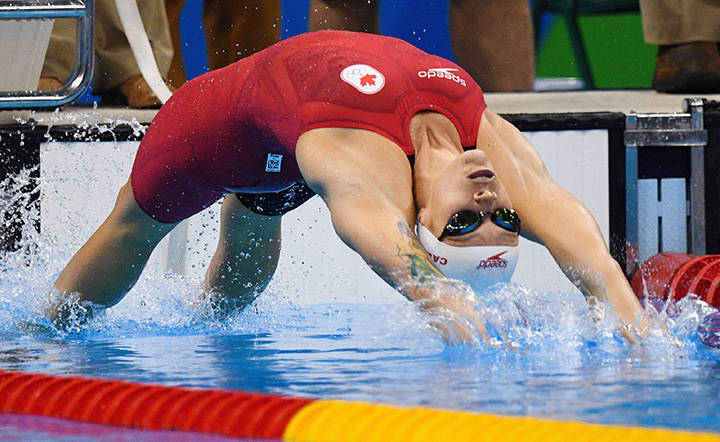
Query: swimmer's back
x,y
367,81
220,131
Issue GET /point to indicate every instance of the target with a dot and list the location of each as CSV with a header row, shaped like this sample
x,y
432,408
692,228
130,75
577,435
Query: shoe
x,y
49,84
692,68
134,93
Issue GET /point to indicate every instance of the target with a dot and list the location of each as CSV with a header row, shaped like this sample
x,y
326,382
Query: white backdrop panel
x,y
80,182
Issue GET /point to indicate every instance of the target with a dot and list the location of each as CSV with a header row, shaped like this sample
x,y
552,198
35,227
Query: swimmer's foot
x,y
214,306
67,312
688,68
134,93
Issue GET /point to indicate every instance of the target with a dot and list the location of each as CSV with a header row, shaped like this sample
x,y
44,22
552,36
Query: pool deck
x,y
537,103
622,101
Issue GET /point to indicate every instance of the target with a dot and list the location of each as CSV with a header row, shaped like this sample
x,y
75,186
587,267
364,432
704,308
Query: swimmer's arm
x,y
373,212
573,237
559,221
555,218
389,246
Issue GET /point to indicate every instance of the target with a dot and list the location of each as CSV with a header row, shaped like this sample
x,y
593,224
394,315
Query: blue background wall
x,y
423,23
618,55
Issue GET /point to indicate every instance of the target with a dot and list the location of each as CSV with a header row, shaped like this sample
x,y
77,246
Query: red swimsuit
x,y
235,129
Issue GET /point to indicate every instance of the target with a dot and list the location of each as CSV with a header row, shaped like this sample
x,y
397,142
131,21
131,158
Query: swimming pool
x,y
569,367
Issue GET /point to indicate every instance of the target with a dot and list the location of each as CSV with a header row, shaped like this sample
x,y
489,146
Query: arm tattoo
x,y
416,258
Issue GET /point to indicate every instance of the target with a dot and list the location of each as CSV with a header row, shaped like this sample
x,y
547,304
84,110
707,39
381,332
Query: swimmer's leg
x,y
246,257
111,261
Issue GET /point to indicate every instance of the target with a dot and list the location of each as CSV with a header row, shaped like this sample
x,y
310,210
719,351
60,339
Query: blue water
x,y
568,365
20,428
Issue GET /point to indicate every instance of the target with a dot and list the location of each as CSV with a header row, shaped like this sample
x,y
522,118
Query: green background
x,y
619,57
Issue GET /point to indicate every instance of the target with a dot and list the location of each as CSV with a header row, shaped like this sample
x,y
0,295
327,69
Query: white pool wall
x,y
80,181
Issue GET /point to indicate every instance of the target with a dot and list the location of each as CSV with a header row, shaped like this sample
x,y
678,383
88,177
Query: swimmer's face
x,y
468,183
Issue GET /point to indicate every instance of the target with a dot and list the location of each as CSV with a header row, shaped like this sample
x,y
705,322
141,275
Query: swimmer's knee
x,y
129,219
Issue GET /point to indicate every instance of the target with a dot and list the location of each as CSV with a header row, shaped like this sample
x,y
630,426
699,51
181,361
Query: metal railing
x,y
681,130
77,84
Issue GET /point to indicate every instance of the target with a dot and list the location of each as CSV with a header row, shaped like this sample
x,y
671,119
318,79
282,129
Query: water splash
x,y
569,362
545,325
88,125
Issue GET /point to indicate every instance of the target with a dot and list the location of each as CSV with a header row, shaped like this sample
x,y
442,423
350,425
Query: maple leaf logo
x,y
367,80
364,78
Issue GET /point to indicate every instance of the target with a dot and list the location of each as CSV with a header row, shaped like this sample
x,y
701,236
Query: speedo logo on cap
x,y
364,78
448,73
493,262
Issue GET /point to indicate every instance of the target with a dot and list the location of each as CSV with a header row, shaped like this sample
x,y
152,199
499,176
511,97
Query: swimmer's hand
x,y
455,319
458,318
649,324
646,327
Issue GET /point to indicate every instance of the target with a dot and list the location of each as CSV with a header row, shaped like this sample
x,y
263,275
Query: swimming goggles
x,y
468,221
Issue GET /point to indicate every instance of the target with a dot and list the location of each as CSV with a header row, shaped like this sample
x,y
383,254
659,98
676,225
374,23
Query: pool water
x,y
21,428
568,366
569,363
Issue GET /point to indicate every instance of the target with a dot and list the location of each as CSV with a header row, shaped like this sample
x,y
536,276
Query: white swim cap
x,y
479,266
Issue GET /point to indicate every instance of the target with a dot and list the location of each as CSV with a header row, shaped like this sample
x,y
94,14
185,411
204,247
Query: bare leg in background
x,y
493,40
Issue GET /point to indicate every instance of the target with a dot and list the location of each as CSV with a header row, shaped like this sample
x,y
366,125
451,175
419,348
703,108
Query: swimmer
x,y
421,179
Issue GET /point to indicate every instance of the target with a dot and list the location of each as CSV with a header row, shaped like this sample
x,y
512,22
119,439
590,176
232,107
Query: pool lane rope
x,y
272,417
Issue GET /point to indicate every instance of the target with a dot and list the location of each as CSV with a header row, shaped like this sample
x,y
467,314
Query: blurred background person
x,y
687,32
233,29
116,78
